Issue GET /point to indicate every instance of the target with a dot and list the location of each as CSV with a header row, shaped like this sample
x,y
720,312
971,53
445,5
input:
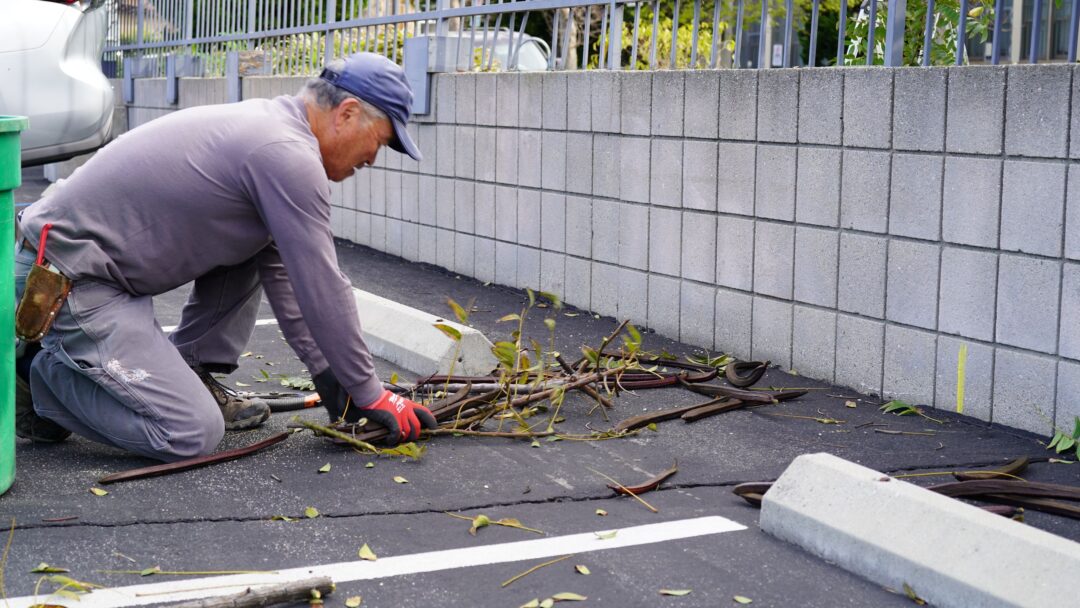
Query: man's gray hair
x,y
327,96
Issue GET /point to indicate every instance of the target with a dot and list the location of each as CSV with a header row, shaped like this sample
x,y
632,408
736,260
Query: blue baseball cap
x,y
382,83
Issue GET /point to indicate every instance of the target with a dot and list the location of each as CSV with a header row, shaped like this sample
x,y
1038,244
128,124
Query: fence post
x,y
172,92
615,37
894,33
139,24
232,76
331,17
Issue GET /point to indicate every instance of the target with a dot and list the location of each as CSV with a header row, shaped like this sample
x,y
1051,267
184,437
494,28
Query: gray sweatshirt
x,y
216,186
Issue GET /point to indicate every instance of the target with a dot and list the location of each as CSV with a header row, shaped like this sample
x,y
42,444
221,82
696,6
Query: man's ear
x,y
348,112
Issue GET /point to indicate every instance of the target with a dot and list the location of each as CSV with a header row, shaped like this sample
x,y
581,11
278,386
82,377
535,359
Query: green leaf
x,y
46,568
553,298
535,443
400,479
510,317
408,450
367,554
550,324
582,569
533,603
353,602
311,512
459,312
635,335
1066,443
532,297
265,375
742,599
675,592
606,535
325,468
1058,436
480,521
566,596
394,378
99,492
450,332
150,571
1076,431
547,603
652,427
370,465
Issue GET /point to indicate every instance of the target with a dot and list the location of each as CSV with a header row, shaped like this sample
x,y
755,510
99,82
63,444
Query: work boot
x,y
239,412
28,424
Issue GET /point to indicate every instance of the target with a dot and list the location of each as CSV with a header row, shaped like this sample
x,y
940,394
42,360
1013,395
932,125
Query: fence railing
x,y
298,36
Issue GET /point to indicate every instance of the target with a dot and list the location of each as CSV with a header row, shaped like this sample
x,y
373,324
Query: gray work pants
x,y
107,371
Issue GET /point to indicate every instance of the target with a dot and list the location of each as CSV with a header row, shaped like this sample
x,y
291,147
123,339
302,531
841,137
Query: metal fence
x,y
297,36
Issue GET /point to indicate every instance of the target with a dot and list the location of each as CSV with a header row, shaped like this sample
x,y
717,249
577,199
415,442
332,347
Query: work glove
x,y
401,417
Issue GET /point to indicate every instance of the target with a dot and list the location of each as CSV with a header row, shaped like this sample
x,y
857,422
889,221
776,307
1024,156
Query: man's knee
x,y
195,437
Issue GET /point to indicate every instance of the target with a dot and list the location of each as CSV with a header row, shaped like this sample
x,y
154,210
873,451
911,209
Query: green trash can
x,y
10,178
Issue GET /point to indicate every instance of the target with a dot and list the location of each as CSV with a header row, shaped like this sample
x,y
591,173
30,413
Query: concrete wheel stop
x,y
894,533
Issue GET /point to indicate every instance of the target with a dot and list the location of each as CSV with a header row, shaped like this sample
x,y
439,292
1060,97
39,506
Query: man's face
x,y
355,140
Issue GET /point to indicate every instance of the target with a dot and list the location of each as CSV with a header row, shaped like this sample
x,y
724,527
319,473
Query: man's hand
x,y
402,417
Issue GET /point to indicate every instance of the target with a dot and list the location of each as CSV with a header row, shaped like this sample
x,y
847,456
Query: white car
x,y
50,71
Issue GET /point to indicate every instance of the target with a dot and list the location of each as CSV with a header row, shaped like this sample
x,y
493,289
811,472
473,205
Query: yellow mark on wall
x,y
961,369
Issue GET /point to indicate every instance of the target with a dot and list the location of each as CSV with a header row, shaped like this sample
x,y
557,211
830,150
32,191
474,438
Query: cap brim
x,y
402,142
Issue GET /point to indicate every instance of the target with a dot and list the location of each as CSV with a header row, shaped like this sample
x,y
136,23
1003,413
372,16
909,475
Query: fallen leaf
x,y
535,443
282,518
480,521
742,599
370,465
393,378
367,554
353,601
571,314
606,535
850,404
911,595
325,468
1060,461
601,512
311,512
238,383
247,354
652,427
99,492
451,332
400,479
43,567
547,603
150,571
568,597
533,603
582,569
675,592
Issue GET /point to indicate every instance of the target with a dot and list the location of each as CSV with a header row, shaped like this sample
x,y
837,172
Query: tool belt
x,y
44,294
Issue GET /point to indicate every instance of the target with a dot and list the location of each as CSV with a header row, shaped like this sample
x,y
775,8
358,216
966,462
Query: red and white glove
x,y
401,417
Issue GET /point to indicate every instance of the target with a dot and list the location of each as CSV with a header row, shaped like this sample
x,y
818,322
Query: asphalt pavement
x,y
228,517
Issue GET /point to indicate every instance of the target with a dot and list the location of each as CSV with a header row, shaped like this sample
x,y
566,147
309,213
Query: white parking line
x,y
217,586
171,328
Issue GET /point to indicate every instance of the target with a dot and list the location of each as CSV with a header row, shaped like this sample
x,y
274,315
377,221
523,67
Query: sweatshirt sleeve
x,y
288,185
275,282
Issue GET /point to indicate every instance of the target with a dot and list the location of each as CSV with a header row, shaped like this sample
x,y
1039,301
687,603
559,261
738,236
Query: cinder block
x,y
605,100
528,270
818,190
633,236
484,210
605,231
363,228
968,291
813,347
1072,213
636,102
605,289
664,300
910,356
859,345
528,217
699,252
484,259
393,194
506,156
971,201
362,192
735,252
665,240
578,282
665,186
506,222
444,98
393,234
774,255
336,228
605,166
1024,390
919,109
696,314
1037,110
976,109
529,159
410,197
772,331
465,98
428,145
778,105
816,254
912,284
429,201
464,161
821,99
428,245
776,167
915,208
553,273
506,263
1032,205
702,90
410,241
978,377
735,178
868,96
463,254
634,163
407,163
444,212
464,206
578,101
864,203
485,154
737,100
1069,342
553,221
1027,303
554,111
579,228
699,175
734,313
444,252
378,191
506,96
862,275
667,102
530,100
579,155
1068,394
552,160
633,296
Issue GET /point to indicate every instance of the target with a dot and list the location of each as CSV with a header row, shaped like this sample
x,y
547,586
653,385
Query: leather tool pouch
x,y
44,294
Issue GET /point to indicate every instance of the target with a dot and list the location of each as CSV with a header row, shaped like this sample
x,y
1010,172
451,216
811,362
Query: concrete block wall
x,y
863,225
